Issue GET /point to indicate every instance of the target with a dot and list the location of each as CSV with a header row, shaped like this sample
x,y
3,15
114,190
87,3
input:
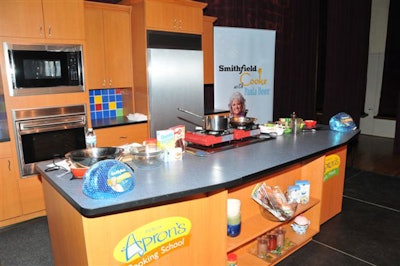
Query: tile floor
x,y
366,232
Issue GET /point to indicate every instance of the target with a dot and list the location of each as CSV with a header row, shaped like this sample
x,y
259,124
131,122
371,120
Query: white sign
x,y
244,61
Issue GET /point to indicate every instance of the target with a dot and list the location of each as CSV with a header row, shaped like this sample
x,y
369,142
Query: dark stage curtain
x,y
302,68
346,59
391,71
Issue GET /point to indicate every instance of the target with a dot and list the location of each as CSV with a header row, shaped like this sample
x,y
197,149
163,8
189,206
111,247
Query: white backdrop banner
x,y
244,61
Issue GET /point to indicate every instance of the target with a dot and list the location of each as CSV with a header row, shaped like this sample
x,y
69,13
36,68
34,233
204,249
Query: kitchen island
x,y
176,213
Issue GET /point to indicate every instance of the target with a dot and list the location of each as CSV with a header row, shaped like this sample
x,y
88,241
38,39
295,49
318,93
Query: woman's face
x,y
236,107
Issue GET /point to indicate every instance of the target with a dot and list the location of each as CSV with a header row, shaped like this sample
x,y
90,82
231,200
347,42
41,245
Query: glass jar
x,y
271,241
262,246
280,236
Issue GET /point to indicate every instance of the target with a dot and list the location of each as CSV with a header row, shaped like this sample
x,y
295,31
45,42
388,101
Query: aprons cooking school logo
x,y
251,79
151,241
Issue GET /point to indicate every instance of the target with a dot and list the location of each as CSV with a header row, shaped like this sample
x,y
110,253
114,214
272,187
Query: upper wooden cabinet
x,y
181,16
208,49
170,15
158,15
108,46
61,19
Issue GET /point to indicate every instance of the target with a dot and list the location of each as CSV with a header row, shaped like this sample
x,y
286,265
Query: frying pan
x,y
242,121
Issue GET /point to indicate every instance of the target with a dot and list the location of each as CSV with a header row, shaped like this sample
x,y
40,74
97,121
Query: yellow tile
x,y
112,105
98,99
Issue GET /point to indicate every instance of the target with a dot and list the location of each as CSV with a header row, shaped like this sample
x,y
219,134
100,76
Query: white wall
x,y
377,42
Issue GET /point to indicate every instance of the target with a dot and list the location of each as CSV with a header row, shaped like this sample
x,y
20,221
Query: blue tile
x,y
111,98
106,114
113,113
119,105
105,98
119,98
111,91
97,92
105,106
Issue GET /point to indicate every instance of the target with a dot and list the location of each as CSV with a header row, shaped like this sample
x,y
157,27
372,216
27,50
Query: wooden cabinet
x,y
255,223
61,19
109,45
31,195
9,192
157,15
183,16
120,135
208,49
333,183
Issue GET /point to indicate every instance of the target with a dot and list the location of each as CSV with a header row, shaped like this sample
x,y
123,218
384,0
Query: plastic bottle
x,y
231,259
90,138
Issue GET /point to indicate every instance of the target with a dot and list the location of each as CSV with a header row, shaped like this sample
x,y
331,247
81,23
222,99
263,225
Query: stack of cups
x,y
234,219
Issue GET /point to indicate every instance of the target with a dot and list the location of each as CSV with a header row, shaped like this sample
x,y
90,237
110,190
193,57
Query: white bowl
x,y
278,129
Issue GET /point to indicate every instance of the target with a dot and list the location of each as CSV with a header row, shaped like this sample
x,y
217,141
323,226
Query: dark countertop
x,y
113,122
194,175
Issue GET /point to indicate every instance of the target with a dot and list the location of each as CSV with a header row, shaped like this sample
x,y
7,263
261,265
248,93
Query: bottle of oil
x,y
293,121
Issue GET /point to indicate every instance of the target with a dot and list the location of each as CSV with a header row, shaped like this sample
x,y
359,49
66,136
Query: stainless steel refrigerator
x,y
175,76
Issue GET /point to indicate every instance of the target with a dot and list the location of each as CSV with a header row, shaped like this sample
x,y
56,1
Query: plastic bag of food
x,y
342,122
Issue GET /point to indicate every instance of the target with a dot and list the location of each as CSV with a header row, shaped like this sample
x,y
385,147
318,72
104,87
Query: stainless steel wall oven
x,y
46,133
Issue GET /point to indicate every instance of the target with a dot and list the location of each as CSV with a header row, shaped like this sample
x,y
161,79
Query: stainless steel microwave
x,y
44,69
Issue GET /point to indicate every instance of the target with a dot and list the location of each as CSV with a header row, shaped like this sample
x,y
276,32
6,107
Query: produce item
x,y
274,201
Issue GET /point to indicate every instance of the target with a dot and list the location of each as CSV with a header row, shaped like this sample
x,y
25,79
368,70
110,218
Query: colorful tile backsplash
x,y
106,103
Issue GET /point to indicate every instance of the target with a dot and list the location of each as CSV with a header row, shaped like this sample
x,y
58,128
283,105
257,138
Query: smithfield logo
x,y
332,166
151,241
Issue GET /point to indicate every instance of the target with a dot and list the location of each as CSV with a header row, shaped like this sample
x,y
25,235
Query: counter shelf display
x,y
185,190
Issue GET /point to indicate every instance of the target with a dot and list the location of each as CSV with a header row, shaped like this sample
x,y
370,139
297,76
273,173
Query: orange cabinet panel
x,y
109,46
208,49
62,19
120,135
174,16
9,192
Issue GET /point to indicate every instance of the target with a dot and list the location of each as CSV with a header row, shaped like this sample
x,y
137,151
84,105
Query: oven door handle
x,y
61,124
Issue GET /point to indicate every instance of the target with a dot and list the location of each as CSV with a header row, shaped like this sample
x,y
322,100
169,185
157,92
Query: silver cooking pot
x,y
211,122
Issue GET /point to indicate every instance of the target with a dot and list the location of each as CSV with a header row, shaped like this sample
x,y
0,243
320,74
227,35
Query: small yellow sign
x,y
151,241
332,166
